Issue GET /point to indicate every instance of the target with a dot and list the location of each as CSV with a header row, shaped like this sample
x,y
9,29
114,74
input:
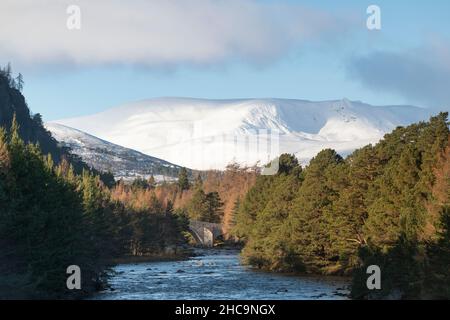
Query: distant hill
x,y
209,134
123,163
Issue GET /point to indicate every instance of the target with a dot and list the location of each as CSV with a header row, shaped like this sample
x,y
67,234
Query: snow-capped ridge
x,y
205,134
105,156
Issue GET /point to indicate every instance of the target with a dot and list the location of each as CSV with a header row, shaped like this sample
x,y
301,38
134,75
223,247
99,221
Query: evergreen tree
x,y
437,276
4,175
45,218
4,153
183,181
19,82
287,163
348,213
214,204
253,203
198,206
310,209
381,205
269,244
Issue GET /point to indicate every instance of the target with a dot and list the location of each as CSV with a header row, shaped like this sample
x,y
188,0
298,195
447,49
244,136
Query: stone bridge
x,y
205,232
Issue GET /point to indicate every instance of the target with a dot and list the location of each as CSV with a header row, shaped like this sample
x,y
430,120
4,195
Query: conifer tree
x,y
198,206
309,215
4,153
214,205
19,82
183,181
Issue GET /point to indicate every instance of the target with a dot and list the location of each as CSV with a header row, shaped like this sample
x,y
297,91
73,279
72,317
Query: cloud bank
x,y
158,32
421,74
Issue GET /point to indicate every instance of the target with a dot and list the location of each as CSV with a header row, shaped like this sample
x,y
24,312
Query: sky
x,y
222,49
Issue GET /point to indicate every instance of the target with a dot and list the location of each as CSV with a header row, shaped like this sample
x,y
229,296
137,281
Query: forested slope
x,y
52,217
385,204
31,128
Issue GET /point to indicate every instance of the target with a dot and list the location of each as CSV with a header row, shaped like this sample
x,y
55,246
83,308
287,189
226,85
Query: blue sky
x,y
314,50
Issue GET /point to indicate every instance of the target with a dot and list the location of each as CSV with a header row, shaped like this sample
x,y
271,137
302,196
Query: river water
x,y
215,274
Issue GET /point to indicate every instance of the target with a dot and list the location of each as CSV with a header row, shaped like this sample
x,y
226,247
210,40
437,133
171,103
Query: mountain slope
x,y
31,128
105,156
205,134
12,102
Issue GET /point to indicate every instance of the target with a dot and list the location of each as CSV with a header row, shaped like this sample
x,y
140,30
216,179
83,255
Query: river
x,y
214,274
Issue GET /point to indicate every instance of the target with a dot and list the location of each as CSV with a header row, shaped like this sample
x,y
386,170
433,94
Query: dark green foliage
x,y
205,206
375,207
268,243
154,230
438,263
401,272
41,218
12,103
287,163
19,82
51,217
31,129
253,203
308,217
214,208
140,183
183,181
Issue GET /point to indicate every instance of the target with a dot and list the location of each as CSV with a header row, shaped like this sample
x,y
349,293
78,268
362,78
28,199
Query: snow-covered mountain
x,y
204,134
104,156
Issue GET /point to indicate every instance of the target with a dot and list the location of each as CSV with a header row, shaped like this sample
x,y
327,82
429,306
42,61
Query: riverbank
x,y
181,254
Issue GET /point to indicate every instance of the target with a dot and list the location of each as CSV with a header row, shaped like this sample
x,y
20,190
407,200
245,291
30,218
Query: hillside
x,y
12,102
122,162
31,128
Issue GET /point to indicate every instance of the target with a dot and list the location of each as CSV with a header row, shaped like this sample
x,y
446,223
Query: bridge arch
x,y
205,233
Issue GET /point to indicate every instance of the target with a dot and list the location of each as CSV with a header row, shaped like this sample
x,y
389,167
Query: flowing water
x,y
215,274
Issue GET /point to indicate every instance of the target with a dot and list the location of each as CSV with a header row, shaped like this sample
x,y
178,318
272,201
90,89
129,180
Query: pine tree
x,y
198,207
253,203
269,244
379,206
15,132
4,153
214,204
235,212
183,181
4,172
437,276
310,210
19,82
287,163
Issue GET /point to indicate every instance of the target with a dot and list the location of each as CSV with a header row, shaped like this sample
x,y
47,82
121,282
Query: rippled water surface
x,y
215,274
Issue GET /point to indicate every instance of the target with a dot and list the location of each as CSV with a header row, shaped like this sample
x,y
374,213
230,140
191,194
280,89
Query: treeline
x,y
209,195
386,205
51,218
13,82
31,130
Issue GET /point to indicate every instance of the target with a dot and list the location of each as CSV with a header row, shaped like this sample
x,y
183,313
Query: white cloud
x,y
420,74
158,32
